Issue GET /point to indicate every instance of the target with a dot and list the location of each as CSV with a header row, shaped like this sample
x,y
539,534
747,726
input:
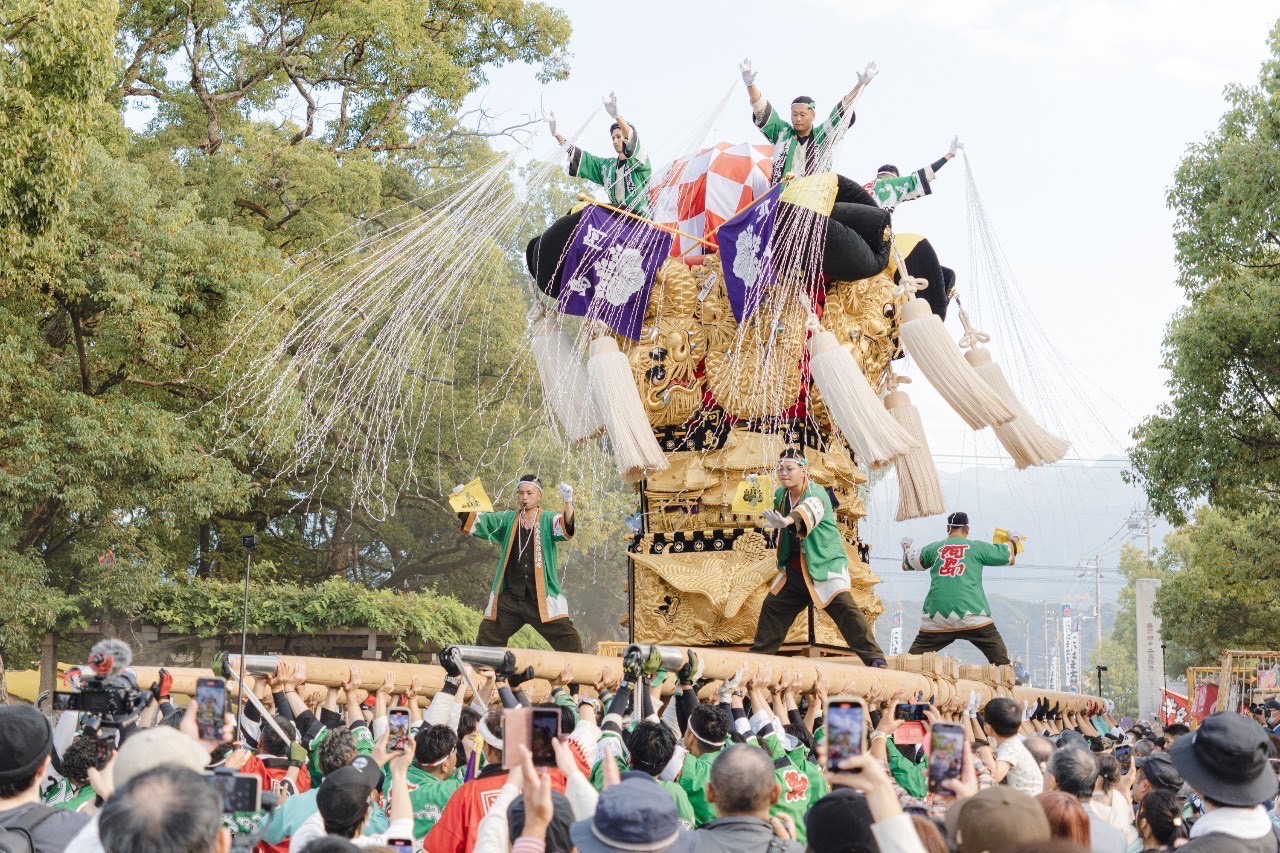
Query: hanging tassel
x,y
1023,437
919,492
614,390
876,438
927,342
564,380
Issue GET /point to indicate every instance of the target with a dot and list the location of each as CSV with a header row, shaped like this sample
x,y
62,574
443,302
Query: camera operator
x,y
26,739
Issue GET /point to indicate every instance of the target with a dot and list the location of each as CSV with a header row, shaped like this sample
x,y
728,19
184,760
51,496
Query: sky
x,y
1074,116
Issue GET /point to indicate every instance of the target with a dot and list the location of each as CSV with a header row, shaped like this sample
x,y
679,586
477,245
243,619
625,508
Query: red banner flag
x,y
1205,702
1173,708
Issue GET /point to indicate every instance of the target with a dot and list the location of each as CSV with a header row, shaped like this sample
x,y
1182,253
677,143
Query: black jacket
x,y
742,835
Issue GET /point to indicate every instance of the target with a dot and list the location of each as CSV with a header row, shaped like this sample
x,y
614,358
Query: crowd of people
x,y
653,761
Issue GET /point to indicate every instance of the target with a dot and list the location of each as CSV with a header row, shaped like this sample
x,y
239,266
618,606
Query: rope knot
x,y
909,286
972,337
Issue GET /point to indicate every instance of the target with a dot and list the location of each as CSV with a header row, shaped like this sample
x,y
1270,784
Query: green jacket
x,y
625,177
788,147
823,555
956,599
500,527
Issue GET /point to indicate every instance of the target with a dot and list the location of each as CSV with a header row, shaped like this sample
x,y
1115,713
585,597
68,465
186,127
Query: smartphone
x,y
241,792
211,706
545,729
397,729
1124,754
846,722
400,843
911,711
517,730
946,754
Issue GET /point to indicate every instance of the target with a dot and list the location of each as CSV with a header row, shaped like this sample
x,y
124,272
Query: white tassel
x,y
614,389
919,492
876,438
1025,440
938,357
564,380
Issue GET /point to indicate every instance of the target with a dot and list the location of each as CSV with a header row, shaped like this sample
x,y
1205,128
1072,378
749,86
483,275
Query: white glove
x,y
774,520
956,145
868,74
1015,537
550,119
611,105
748,75
907,543
566,492
457,490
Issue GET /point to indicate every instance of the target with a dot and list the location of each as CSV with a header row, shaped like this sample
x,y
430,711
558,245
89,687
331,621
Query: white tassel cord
x,y
614,390
876,438
919,492
1025,440
930,346
564,380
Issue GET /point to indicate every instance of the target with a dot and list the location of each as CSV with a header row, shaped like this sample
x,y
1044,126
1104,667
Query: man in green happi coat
x,y
813,566
526,586
956,607
801,147
625,176
890,189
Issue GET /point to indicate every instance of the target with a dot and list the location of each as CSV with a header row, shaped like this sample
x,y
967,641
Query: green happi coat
x,y
500,527
791,153
956,599
823,556
427,794
624,177
889,192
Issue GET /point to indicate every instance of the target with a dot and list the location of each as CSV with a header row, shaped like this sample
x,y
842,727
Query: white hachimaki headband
x,y
532,480
489,737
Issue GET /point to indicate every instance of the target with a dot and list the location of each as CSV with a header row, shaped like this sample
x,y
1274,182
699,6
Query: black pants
x,y
516,612
987,639
780,611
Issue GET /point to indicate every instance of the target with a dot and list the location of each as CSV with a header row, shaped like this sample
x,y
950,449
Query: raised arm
x,y
864,77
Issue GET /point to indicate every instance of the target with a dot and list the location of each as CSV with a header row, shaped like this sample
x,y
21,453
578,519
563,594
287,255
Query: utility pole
x,y
1044,622
1095,565
1140,523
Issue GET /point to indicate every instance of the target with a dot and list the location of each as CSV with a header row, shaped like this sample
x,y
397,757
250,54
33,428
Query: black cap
x,y
25,740
1159,771
839,816
344,793
1272,705
958,519
1226,760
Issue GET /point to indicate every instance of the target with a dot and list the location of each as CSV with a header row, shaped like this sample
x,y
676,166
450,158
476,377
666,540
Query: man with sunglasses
x,y
813,566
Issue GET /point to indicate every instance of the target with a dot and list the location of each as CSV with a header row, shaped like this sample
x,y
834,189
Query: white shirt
x,y
1024,772
313,828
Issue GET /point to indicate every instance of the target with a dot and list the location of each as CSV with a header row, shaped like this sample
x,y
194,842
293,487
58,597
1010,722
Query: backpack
x,y
18,838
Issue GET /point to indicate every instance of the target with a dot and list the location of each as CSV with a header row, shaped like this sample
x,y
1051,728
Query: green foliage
x,y
1222,590
1218,438
54,72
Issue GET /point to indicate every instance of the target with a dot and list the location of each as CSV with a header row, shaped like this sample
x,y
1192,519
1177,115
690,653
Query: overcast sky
x,y
1075,116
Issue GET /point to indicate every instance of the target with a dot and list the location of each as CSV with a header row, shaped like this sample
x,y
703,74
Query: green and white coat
x,y
625,177
956,599
791,153
823,555
500,527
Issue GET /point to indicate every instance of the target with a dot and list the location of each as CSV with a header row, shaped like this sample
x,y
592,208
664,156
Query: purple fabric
x,y
746,254
609,269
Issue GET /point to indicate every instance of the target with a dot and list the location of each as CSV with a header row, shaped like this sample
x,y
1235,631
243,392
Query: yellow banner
x,y
1001,536
472,498
816,192
754,495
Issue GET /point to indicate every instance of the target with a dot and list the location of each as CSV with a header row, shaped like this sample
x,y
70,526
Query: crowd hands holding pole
x,y
654,759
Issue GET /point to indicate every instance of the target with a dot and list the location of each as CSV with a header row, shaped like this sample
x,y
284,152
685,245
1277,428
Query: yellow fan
x,y
754,495
472,498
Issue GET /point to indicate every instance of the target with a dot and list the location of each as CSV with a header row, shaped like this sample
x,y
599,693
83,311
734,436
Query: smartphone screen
x,y
946,754
546,728
1124,755
211,703
397,728
846,729
241,792
911,711
517,730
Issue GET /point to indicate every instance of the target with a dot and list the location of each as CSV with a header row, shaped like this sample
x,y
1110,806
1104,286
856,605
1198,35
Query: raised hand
x,y
611,106
956,145
550,119
566,491
867,74
748,74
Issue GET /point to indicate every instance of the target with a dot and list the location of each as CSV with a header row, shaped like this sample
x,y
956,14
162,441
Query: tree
x,y
1218,437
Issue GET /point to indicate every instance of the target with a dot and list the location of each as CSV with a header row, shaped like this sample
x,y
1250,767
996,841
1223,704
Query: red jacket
x,y
456,830
271,771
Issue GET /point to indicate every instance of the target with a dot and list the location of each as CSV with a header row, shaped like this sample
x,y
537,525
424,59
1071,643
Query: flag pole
x,y
754,202
661,227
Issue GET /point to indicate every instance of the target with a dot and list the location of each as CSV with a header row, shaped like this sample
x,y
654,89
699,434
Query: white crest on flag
x,y
746,265
621,275
595,238
578,285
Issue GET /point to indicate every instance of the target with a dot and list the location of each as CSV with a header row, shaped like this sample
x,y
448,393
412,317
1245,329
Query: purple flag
x,y
609,269
746,254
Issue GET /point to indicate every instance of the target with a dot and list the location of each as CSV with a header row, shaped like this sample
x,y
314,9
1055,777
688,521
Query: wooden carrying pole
x,y
840,675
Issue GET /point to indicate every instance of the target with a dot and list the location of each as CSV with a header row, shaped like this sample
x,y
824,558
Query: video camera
x,y
110,696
